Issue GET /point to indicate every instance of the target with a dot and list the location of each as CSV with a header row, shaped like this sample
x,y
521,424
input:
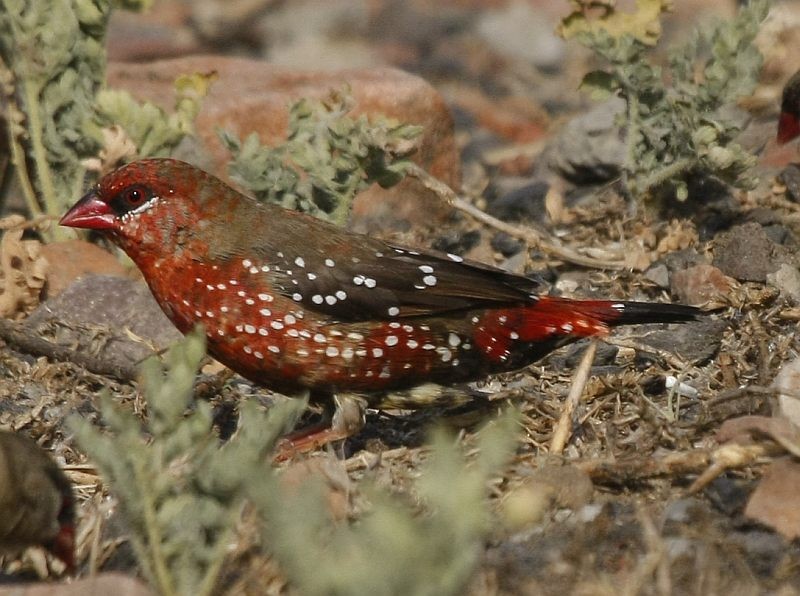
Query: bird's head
x,y
144,205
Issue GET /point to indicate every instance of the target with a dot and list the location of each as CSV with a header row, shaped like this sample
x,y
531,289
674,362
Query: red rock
x,y
72,259
700,284
251,95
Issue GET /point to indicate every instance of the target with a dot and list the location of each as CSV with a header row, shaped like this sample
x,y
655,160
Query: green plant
x,y
52,73
686,128
327,159
179,489
397,547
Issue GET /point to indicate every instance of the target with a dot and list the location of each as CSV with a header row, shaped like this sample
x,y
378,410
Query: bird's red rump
x,y
547,318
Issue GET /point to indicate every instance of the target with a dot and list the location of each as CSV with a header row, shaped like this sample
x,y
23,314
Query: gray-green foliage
x,y
179,489
53,63
396,548
327,158
686,128
52,70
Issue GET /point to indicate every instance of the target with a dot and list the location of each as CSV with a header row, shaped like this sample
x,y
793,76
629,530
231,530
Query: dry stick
x,y
25,339
561,433
621,472
531,237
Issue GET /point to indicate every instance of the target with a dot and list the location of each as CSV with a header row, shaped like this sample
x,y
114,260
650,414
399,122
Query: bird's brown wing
x,y
354,277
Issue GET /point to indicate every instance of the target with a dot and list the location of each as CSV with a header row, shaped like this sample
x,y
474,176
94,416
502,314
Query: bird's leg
x,y
343,416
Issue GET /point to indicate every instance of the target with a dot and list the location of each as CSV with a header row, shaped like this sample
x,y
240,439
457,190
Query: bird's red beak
x,y
90,213
788,127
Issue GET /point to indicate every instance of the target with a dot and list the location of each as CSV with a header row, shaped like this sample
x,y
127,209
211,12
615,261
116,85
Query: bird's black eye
x,y
134,197
131,198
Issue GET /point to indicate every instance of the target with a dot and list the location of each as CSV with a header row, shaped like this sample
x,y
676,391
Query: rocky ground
x,y
680,472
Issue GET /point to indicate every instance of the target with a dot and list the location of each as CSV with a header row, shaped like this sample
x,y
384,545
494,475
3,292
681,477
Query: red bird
x,y
789,121
37,506
296,303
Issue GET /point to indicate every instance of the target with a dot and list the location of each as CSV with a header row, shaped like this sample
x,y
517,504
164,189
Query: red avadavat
x,y
37,506
295,303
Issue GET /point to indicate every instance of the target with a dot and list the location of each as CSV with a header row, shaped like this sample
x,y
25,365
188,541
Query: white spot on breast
x,y
361,352
209,314
474,319
407,365
341,294
185,302
311,276
317,299
426,268
221,286
377,353
347,353
330,300
453,340
263,331
302,353
197,313
277,325
355,336
320,339
369,282
307,335
223,309
297,297
220,332
280,254
330,263
253,270
513,335
429,280
249,329
198,280
249,301
567,327
239,328
265,268
247,263
384,374
455,258
265,297
412,344
258,355
209,287
241,293
274,349
300,262
292,333
265,312
394,325
247,350
233,282
391,340
289,319
358,280
332,351
428,347
502,319
393,311
408,328
456,362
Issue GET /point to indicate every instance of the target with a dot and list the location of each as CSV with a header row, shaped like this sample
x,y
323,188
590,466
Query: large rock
x,y
251,95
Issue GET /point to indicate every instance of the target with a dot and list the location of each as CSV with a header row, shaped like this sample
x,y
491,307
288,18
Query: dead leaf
x,y
774,502
787,382
23,270
554,205
749,429
644,23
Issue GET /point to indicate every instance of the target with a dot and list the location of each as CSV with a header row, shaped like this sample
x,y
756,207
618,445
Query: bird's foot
x,y
344,417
